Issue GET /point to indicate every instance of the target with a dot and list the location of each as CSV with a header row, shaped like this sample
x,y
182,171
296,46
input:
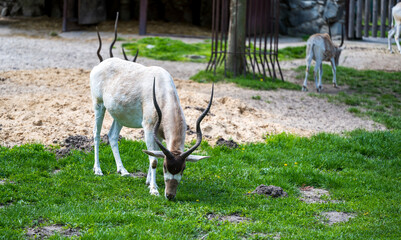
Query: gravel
x,y
23,50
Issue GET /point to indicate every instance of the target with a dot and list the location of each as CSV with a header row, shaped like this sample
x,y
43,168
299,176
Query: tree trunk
x,y
236,38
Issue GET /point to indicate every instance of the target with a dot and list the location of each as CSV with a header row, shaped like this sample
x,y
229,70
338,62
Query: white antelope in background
x,y
395,31
125,89
320,47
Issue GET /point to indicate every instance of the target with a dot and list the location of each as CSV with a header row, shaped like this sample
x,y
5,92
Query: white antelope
x,y
320,47
395,31
124,89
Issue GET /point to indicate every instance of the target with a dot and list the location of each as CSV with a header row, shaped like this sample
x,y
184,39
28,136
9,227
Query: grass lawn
x,y
376,94
361,170
169,49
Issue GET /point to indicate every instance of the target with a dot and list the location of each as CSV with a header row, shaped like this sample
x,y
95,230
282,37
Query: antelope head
x,y
175,161
337,49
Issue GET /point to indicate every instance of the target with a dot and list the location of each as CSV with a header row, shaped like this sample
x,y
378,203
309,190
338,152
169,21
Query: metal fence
x,y
261,45
369,18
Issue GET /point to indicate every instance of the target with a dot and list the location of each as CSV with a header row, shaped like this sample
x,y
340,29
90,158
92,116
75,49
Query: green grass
x,y
290,53
169,49
175,50
361,169
249,81
376,94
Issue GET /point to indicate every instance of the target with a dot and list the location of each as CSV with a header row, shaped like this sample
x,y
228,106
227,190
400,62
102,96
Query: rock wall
x,y
297,17
300,17
26,8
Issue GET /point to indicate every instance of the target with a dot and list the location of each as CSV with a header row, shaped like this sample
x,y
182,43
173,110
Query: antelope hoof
x,y
97,171
123,172
335,85
153,191
304,89
319,89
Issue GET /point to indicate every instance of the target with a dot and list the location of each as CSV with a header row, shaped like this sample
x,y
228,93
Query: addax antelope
x,y
143,97
320,47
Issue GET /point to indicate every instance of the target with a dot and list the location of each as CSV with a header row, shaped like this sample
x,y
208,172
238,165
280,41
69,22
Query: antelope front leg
x,y
334,70
390,36
113,139
151,177
397,35
99,116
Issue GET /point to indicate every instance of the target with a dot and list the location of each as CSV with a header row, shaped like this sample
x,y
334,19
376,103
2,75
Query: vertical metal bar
x,y
272,39
351,21
226,4
254,40
260,34
143,11
249,26
277,18
209,65
65,15
374,17
235,42
390,14
359,7
383,18
218,24
266,33
218,33
367,18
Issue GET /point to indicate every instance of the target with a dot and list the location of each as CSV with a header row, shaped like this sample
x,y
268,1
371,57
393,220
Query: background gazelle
x,y
395,31
124,89
320,47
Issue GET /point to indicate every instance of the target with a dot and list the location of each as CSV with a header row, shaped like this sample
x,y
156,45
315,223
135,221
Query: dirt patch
x,y
47,231
233,218
310,194
228,143
138,175
331,218
49,105
269,191
78,142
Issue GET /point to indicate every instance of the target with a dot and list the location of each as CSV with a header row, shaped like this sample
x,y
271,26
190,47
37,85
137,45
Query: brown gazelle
x,y
320,47
143,97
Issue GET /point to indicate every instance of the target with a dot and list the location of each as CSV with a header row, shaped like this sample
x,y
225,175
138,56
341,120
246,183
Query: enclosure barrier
x,y
369,18
261,45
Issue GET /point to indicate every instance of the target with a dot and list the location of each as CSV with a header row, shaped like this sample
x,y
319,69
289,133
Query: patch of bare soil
x,y
333,217
47,231
233,218
269,191
310,194
49,105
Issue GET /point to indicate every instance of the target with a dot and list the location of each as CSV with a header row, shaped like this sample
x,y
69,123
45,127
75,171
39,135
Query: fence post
x,y
359,7
367,20
351,20
383,18
374,18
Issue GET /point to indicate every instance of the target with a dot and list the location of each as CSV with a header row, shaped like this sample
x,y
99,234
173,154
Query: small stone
x,y
38,123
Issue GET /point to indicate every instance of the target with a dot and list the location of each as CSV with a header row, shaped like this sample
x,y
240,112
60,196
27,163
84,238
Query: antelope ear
x,y
195,158
158,154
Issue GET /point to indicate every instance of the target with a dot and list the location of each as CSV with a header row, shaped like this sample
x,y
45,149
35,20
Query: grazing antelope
x,y
124,89
395,31
320,47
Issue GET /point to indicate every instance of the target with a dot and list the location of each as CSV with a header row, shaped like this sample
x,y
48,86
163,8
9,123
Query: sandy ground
x,y
44,102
